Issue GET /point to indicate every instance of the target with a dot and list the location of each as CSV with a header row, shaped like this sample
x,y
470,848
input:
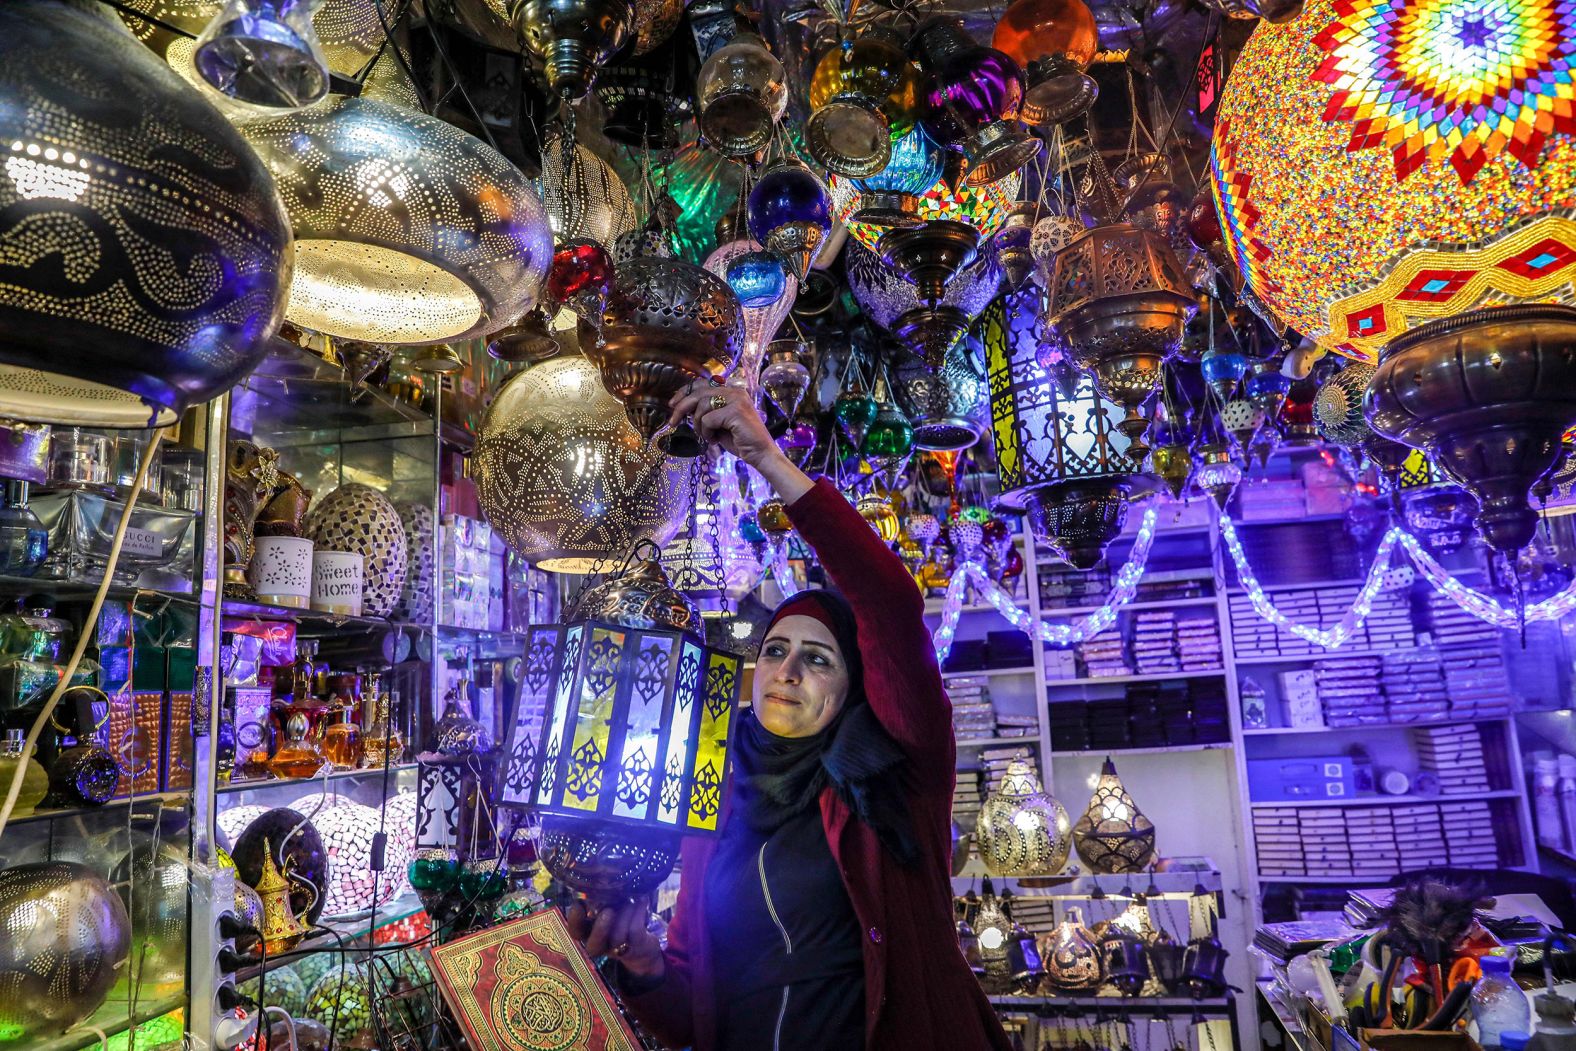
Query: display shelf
x,y
162,799
264,785
1336,881
1402,800
108,1022
1118,885
302,399
987,742
1057,612
1113,1003
933,607
1327,655
1102,680
74,591
1310,585
1282,731
320,939
993,672
1284,1014
318,623
1164,749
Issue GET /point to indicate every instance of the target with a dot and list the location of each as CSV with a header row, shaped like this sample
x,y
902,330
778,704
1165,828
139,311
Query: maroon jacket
x,y
919,991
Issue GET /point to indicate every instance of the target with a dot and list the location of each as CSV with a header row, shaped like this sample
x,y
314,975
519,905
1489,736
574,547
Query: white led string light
x,y
1475,602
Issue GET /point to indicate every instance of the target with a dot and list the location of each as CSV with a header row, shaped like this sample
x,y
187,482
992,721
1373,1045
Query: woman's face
x,y
801,680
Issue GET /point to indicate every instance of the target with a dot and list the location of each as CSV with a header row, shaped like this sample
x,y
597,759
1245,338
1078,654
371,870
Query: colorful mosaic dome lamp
x,y
1394,180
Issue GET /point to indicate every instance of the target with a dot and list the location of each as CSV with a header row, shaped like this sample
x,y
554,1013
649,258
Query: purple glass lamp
x,y
973,100
790,212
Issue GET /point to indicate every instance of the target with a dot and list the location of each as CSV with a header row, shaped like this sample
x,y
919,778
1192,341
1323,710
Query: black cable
x,y
388,36
455,74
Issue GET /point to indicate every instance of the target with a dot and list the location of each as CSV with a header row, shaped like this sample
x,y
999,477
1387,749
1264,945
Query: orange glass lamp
x,y
1054,41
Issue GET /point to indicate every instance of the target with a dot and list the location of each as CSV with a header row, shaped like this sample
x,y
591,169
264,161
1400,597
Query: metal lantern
x,y
648,100
973,101
667,322
742,92
1118,300
408,230
149,252
584,197
573,38
948,405
1060,458
1217,473
928,331
1113,835
1487,396
564,478
1012,245
1070,955
1338,407
1022,830
622,737
264,52
864,94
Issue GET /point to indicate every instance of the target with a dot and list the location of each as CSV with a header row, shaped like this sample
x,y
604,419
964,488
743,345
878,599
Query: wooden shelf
x,y
1406,800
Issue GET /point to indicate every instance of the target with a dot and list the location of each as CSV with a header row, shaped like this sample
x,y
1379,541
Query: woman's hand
x,y
728,417
618,931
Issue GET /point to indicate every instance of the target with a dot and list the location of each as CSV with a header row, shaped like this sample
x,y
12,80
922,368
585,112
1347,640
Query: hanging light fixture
x,y
1487,397
761,321
1023,830
855,411
264,52
572,38
785,379
667,322
790,213
741,94
1113,835
929,332
1057,457
1118,301
863,95
1217,473
408,230
584,197
564,478
948,405
1012,245
1053,41
982,207
973,101
891,197
528,340
118,334
1223,368
649,99
1338,407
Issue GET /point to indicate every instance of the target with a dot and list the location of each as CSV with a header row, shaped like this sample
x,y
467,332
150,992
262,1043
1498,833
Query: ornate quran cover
x,y
527,985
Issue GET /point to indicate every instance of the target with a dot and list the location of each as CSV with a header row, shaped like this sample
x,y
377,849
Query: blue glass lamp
x,y
1223,370
891,197
790,212
759,279
1267,388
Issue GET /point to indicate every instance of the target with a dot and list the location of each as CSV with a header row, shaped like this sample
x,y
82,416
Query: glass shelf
x,y
156,799
264,785
297,398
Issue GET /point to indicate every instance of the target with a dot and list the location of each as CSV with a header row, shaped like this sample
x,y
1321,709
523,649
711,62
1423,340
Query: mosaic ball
x,y
284,988
347,832
304,860
1380,163
415,599
359,518
344,989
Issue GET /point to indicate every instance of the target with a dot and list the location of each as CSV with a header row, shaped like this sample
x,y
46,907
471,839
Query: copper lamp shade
x,y
1113,835
864,94
159,252
408,230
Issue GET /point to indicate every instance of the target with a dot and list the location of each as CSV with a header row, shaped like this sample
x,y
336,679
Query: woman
x,y
821,919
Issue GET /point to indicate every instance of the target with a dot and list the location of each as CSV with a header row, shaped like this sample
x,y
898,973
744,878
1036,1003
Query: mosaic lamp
x,y
1054,41
564,478
667,323
973,100
1113,835
790,213
1061,459
864,93
573,38
928,331
95,329
636,717
1338,405
1377,165
1118,301
408,230
741,94
949,197
1022,830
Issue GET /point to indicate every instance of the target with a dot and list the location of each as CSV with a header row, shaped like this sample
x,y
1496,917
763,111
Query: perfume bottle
x,y
24,542
35,783
341,737
299,756
35,635
382,744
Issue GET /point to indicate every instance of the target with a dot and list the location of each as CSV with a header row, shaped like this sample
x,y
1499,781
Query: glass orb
x,y
758,278
750,530
788,193
1223,366
950,197
579,267
863,95
1054,41
892,195
892,434
742,91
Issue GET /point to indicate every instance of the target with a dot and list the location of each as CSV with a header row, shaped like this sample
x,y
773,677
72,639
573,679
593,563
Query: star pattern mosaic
x,y
1457,79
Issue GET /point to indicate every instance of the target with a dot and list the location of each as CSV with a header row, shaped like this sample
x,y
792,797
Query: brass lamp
x,y
573,37
1060,458
1118,300
1023,830
149,254
622,736
1114,835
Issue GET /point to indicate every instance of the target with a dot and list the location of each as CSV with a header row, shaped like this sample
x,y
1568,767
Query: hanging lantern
x,y
742,92
1051,234
1053,41
930,254
1173,463
891,196
785,378
564,478
890,440
972,105
1223,369
1009,961
1435,511
1023,830
878,515
947,405
1057,457
1266,388
626,727
1124,960
982,207
667,322
1071,958
96,328
1454,155
1243,419
572,38
655,21
1012,245
580,278
928,332
759,279
528,340
760,322
264,52
584,197
648,99
1113,835
790,213
649,239
863,95
1338,407
1297,427
799,441
1118,300
408,230
855,411
1487,397
1217,473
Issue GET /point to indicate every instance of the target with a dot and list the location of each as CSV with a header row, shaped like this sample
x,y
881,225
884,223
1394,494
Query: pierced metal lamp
x,y
1114,835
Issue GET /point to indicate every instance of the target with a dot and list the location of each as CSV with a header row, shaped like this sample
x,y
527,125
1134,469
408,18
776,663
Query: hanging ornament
x,y
924,528
758,278
790,213
799,441
878,514
572,38
1173,463
1338,407
1243,419
1054,41
864,94
1223,368
973,101
760,322
948,405
742,92
648,239
784,377
891,197
1050,235
580,278
1217,473
856,412
1070,955
1012,245
1113,835
890,440
1266,388
929,332
1023,830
